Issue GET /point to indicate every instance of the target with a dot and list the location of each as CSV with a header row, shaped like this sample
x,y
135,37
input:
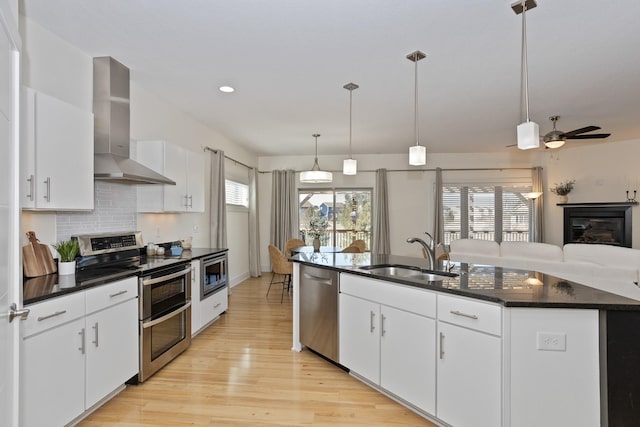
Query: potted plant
x,y
68,250
563,189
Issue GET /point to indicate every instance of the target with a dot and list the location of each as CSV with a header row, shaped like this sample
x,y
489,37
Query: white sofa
x,y
610,268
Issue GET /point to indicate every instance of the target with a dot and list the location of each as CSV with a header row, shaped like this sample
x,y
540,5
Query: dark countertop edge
x,y
479,295
196,253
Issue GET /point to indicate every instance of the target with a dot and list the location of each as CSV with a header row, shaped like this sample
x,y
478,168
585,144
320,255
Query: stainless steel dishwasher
x,y
319,310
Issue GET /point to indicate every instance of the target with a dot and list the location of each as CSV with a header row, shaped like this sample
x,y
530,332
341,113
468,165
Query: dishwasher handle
x,y
319,280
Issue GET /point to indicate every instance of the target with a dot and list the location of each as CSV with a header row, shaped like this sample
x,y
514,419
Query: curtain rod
x,y
229,158
428,170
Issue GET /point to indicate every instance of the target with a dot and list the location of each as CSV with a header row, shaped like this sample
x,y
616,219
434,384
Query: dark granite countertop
x,y
509,287
41,288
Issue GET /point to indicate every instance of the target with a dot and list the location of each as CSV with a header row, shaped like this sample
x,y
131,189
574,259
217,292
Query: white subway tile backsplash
x,y
114,210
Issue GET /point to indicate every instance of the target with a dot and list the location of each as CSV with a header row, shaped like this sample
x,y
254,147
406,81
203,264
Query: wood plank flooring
x,y
241,371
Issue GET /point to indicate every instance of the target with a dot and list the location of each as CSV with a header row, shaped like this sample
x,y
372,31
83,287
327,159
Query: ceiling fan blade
x,y
581,130
592,136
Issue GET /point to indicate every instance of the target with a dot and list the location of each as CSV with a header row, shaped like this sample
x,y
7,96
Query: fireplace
x,y
601,223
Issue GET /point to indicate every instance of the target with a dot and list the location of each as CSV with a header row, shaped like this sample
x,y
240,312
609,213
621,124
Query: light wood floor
x,y
241,371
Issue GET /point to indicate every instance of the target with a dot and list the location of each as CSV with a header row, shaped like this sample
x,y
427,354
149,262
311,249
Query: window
x,y
486,212
236,193
343,215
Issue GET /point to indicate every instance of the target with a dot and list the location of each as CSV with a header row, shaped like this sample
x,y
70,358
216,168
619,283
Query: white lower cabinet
x,y
391,345
205,311
213,306
76,350
469,366
469,377
195,296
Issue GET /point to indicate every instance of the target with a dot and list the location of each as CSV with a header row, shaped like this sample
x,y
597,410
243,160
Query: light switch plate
x,y
551,341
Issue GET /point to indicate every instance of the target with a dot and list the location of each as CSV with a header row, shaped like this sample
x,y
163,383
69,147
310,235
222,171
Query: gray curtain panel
x,y
254,230
438,215
284,208
537,218
381,241
217,202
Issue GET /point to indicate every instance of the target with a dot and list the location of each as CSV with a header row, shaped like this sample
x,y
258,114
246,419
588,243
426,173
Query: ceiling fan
x,y
557,138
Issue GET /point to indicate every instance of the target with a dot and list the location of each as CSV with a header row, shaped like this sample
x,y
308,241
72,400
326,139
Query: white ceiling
x,y
289,61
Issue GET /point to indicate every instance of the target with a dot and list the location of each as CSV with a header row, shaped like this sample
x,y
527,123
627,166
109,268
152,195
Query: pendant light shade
x,y
315,175
350,166
528,132
417,153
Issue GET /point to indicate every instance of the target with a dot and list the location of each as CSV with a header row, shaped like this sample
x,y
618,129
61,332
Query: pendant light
x,y
528,132
417,153
315,175
350,166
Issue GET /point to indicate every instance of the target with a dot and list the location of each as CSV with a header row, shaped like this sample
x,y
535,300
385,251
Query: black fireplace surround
x,y
598,223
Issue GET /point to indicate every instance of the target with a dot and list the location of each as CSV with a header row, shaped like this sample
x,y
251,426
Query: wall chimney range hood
x,y
111,127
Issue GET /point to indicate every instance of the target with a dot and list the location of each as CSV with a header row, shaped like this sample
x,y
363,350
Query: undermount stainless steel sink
x,y
408,272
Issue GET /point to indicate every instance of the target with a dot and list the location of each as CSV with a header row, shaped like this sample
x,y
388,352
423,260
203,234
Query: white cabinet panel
x,y
52,375
469,377
195,296
359,336
57,154
184,167
407,357
213,306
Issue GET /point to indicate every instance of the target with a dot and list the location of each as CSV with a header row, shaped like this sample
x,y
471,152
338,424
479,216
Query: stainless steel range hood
x,y
111,127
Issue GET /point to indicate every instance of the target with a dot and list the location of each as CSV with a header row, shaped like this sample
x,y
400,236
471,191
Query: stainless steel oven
x,y
165,317
214,274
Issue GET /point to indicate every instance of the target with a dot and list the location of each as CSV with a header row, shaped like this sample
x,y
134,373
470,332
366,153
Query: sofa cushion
x,y
531,251
475,246
605,255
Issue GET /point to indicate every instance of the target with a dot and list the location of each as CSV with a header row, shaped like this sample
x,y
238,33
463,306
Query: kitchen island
x,y
489,346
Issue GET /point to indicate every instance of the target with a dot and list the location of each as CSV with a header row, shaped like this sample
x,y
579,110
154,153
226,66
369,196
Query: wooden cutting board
x,y
36,258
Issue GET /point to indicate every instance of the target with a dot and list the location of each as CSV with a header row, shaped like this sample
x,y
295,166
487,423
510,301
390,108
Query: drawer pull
x,y
217,305
49,316
118,294
458,313
441,345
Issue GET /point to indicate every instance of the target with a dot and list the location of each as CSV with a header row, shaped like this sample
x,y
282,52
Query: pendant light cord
x,y
525,65
416,133
350,119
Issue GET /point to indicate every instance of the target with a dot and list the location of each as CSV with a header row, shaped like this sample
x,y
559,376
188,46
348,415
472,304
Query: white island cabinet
x,y
56,154
465,362
77,350
387,337
469,362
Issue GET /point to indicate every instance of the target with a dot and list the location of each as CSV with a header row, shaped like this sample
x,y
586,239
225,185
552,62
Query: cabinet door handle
x,y
118,293
47,194
49,316
190,201
81,348
31,181
458,313
95,328
441,345
372,326
382,319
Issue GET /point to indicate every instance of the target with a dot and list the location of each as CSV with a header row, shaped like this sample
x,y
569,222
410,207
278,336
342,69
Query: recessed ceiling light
x,y
226,89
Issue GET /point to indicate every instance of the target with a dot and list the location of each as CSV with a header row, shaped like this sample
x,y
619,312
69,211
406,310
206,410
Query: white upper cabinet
x,y
56,154
184,167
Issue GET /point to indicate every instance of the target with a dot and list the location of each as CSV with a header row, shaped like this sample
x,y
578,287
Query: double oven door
x,y
165,317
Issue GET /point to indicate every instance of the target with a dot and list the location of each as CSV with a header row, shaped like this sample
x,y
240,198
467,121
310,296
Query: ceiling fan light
x,y
528,135
417,155
555,143
349,167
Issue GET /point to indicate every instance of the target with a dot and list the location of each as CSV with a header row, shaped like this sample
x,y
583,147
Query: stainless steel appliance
x,y
319,310
165,317
164,292
214,275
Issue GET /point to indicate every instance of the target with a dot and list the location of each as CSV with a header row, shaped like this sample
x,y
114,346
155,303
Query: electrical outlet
x,y
196,228
551,341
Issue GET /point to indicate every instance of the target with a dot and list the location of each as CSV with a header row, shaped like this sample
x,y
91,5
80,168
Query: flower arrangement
x,y
317,226
563,188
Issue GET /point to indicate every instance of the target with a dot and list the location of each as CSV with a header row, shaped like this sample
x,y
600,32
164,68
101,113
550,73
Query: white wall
x,y
53,66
